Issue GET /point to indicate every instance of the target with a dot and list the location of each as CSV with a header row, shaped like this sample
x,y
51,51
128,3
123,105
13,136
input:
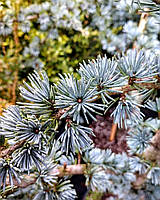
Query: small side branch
x,y
60,171
113,132
142,25
11,149
69,170
143,21
14,87
79,158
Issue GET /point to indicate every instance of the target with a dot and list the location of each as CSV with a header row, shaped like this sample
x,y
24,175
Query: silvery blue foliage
x,y
54,153
37,64
53,34
152,192
114,29
6,25
138,165
45,177
137,65
157,63
131,30
28,156
149,192
123,167
100,157
31,131
48,179
122,27
64,191
153,6
69,159
138,139
115,21
154,175
30,189
75,137
11,117
40,92
103,73
78,97
46,145
8,169
24,24
154,105
34,48
49,195
44,21
127,108
97,179
122,185
153,124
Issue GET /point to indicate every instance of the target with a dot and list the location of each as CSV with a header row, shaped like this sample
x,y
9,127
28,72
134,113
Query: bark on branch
x,y
152,153
11,149
60,171
142,25
69,170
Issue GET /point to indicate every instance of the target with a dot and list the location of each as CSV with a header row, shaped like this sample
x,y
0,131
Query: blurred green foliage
x,y
71,48
58,55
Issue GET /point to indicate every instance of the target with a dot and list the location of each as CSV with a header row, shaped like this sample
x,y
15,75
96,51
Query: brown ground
x,y
102,129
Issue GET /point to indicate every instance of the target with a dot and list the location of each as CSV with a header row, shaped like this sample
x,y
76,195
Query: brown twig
x,y
11,149
113,132
79,158
140,180
17,49
158,114
15,34
129,88
143,21
64,166
3,49
14,87
69,170
26,181
142,25
32,17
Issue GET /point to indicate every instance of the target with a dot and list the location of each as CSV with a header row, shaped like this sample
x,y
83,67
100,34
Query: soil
x,y
102,130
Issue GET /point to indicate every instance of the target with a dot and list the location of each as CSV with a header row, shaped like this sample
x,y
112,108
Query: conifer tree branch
x,y
11,149
60,170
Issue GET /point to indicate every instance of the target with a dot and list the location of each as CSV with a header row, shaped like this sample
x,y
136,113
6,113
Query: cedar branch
x,y
11,149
